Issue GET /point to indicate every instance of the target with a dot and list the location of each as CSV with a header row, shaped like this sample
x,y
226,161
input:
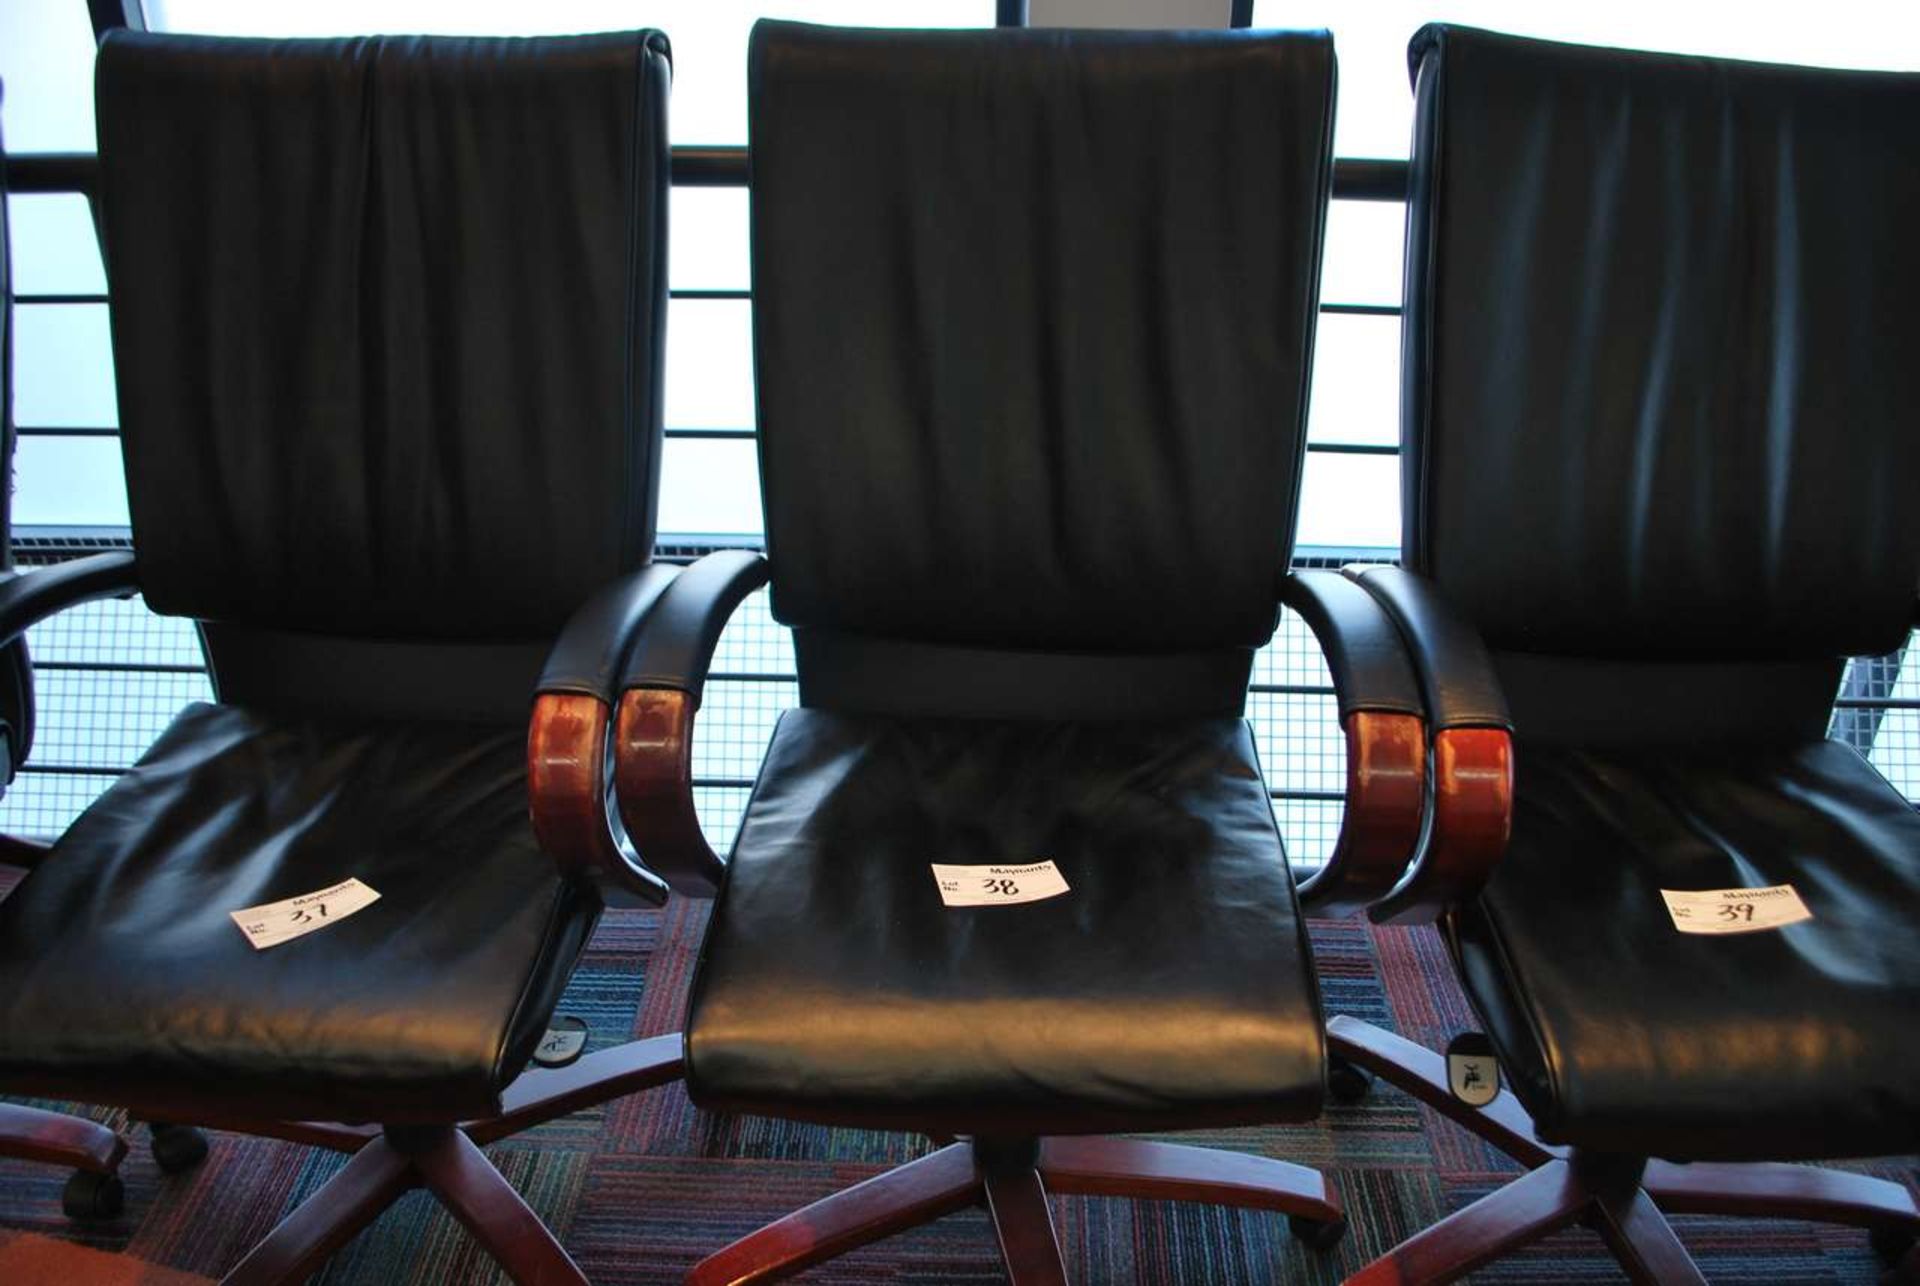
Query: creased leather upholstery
x,y
1170,987
1659,350
1660,452
122,974
1033,317
371,295
386,331
1623,1034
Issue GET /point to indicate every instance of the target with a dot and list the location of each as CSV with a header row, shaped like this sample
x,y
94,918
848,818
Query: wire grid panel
x,y
753,642
737,714
721,809
1292,657
92,718
106,719
41,805
115,632
1301,744
1310,828
1299,737
1889,737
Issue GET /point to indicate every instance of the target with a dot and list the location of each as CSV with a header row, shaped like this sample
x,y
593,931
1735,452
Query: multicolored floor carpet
x,y
640,1189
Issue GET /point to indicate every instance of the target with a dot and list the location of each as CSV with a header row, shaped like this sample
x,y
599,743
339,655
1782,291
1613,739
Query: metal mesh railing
x,y
1297,732
110,675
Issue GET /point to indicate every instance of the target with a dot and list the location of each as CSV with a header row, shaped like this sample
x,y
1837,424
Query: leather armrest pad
x,y
676,645
32,596
586,659
1456,674
1363,647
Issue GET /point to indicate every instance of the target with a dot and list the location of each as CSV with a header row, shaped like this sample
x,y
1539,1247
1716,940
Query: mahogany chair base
x,y
447,1161
1626,1200
92,1151
1012,1179
57,1139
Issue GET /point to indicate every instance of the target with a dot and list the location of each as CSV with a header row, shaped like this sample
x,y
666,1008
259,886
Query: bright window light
x,y
1376,101
709,36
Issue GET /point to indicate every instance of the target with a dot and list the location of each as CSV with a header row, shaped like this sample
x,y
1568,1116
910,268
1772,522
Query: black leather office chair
x,y
1033,318
387,334
94,1190
1661,460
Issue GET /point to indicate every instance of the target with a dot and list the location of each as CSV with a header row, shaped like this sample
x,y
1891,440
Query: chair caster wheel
x,y
1347,1082
91,1195
176,1147
1891,1244
1316,1234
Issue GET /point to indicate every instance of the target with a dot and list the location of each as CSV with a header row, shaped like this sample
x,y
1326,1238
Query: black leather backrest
x,y
387,324
1662,392
1033,318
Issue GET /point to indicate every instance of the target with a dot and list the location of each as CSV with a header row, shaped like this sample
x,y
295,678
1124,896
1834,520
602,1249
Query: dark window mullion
x,y
118,667
1354,448
710,435
66,431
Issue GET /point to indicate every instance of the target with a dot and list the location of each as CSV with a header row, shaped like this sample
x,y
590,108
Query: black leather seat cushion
x,y
121,972
1624,1034
1170,987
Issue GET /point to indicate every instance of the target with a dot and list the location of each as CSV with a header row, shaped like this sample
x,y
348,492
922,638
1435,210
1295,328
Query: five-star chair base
x,y
1012,1178
1625,1199
446,1159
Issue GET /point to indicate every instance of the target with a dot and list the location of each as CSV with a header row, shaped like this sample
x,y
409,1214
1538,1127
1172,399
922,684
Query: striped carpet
x,y
641,1188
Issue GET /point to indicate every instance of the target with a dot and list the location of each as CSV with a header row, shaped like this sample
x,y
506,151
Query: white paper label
x,y
998,885
277,922
1735,910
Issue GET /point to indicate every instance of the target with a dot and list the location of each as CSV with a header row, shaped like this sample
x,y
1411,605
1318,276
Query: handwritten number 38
x,y
1005,888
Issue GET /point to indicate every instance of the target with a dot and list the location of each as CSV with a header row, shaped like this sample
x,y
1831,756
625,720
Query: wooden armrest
x,y
1386,804
1472,817
653,736
567,799
1383,715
